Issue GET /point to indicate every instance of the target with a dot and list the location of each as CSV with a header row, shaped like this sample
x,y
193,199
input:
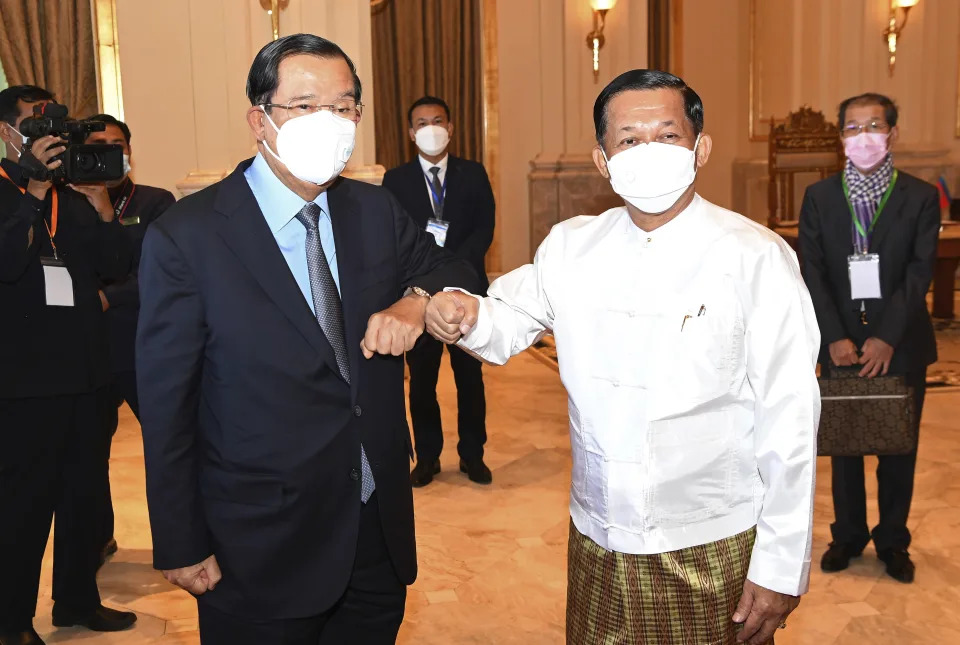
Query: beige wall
x,y
184,65
547,92
817,52
715,65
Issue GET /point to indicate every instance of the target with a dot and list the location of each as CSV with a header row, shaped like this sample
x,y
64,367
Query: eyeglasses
x,y
874,127
344,108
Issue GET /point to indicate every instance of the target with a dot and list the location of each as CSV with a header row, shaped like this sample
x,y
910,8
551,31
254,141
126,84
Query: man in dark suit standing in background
x,y
135,206
451,198
277,453
880,225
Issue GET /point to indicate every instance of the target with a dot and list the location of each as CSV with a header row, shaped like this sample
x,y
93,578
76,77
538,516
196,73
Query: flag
x,y
944,192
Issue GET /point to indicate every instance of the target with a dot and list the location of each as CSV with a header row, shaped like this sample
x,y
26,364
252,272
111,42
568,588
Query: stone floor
x,y
492,560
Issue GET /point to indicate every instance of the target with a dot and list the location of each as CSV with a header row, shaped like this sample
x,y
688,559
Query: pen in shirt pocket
x,y
701,312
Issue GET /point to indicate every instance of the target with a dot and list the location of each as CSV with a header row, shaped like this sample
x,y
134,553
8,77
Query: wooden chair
x,y
803,144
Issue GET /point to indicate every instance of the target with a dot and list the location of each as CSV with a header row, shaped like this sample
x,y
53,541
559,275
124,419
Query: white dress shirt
x,y
428,176
688,354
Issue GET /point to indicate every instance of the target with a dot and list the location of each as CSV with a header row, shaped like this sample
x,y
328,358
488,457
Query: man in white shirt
x,y
687,343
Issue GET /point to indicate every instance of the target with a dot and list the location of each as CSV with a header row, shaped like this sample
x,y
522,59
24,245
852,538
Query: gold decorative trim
x,y
676,38
957,132
490,68
107,56
753,80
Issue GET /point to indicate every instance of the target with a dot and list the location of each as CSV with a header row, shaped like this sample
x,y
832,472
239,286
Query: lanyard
x,y
876,215
54,208
120,206
437,199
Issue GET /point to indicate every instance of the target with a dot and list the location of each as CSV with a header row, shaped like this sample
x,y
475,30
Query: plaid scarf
x,y
866,191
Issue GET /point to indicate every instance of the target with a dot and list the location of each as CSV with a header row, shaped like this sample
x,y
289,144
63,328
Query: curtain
x,y
427,47
50,43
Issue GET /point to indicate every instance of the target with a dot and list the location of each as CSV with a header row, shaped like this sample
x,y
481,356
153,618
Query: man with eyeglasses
x,y
868,239
271,389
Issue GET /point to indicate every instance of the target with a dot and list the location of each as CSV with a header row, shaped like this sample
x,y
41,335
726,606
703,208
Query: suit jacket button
x,y
357,411
354,474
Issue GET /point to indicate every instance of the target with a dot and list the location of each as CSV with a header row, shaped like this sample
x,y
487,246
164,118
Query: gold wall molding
x,y
756,132
676,38
107,55
490,68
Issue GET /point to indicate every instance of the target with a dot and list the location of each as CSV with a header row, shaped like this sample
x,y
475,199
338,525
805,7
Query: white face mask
x,y
24,144
126,164
432,139
316,147
652,176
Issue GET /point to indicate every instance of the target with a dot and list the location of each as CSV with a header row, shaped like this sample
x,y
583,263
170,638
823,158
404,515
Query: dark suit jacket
x,y
906,237
251,436
468,206
53,351
146,203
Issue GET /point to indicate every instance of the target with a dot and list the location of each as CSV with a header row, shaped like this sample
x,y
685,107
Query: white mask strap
x,y
19,150
264,141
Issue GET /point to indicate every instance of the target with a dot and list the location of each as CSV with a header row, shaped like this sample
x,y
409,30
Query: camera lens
x,y
86,161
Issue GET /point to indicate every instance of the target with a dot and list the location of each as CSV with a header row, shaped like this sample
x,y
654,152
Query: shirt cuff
x,y
479,336
776,574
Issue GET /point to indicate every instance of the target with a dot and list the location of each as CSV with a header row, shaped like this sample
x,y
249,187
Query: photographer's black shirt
x,y
144,204
45,350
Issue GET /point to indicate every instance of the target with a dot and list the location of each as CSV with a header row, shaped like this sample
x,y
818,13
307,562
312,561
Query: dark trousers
x,y
424,361
124,388
369,612
51,461
895,491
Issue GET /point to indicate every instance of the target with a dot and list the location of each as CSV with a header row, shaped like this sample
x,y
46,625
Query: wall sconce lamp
x,y
893,30
595,38
273,8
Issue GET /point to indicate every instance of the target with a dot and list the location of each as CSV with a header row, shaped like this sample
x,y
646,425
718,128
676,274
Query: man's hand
x,y
843,353
104,303
43,149
875,358
761,611
198,579
394,330
98,197
450,315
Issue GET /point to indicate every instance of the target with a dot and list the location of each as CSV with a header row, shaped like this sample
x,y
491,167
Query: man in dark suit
x,y
276,452
55,248
872,214
451,198
135,206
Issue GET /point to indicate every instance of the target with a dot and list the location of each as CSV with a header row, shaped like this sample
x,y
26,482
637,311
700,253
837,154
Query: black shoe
x,y
476,470
101,619
899,565
837,557
24,637
108,549
423,472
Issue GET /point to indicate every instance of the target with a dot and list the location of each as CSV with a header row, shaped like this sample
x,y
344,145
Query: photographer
x,y
135,206
55,250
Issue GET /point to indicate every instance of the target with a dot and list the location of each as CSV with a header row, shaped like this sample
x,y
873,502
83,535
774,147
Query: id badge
x,y
57,283
438,228
864,276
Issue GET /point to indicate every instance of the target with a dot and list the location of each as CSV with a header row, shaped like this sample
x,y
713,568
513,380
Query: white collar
x,y
426,165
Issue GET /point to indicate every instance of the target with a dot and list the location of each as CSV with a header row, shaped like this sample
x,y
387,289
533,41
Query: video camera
x,y
82,163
